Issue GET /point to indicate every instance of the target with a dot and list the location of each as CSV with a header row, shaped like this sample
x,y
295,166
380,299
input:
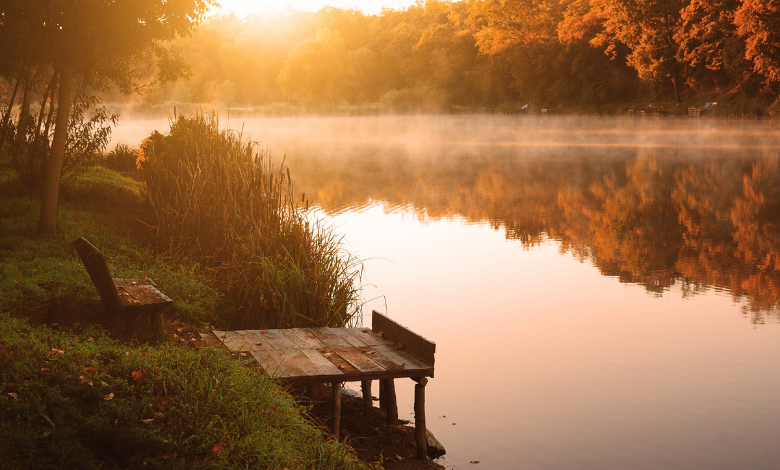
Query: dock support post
x,y
382,396
365,386
336,409
391,404
420,432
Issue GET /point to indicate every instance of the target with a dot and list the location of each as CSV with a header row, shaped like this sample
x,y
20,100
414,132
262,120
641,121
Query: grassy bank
x,y
77,394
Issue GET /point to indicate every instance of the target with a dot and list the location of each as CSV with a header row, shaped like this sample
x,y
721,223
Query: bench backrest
x,y
396,332
98,271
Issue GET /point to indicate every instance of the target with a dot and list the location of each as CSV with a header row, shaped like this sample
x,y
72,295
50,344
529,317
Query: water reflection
x,y
649,216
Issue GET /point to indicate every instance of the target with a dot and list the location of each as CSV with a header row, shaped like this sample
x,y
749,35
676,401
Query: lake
x,y
604,293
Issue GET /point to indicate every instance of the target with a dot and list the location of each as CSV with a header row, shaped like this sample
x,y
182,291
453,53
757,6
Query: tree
x,y
97,44
647,27
758,21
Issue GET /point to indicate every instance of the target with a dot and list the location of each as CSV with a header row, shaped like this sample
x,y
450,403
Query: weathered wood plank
x,y
330,339
397,333
358,360
353,340
322,362
365,335
340,363
294,338
290,366
258,342
269,364
310,369
233,340
275,339
401,358
387,364
309,337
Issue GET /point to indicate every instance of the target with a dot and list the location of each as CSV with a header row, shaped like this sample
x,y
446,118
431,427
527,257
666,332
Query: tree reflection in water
x,y
655,217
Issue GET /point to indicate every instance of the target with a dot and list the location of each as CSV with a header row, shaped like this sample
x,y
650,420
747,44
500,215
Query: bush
x,y
218,201
122,158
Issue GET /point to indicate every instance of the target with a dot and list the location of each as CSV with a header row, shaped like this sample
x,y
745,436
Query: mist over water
x,y
603,292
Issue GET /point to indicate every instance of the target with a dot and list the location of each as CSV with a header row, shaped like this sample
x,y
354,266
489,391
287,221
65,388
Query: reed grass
x,y
218,199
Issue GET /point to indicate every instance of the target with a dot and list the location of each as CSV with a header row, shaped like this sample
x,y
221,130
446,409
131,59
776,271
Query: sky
x,y
245,7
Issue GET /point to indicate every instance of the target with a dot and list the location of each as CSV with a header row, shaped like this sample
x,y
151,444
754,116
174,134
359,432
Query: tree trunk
x,y
10,107
47,222
49,94
24,114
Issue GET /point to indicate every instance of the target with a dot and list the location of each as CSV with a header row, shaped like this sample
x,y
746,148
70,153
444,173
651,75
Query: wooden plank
x,y
387,364
294,338
269,364
401,358
397,333
358,360
258,342
309,337
340,363
330,339
291,368
353,340
232,340
365,335
211,340
310,369
322,362
275,339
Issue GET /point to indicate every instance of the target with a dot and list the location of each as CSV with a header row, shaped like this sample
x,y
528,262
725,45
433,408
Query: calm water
x,y
603,294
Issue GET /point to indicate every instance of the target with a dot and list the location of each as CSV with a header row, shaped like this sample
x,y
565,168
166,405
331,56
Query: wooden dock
x,y
334,355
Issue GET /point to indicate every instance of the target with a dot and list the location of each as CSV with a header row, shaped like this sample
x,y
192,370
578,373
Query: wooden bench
x,y
336,355
135,303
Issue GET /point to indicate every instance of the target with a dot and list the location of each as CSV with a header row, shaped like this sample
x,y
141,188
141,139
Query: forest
x,y
510,55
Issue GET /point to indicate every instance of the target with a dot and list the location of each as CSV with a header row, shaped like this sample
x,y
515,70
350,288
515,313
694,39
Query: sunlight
x,y
248,7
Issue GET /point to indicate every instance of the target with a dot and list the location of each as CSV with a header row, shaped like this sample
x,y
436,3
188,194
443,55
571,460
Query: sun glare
x,y
247,7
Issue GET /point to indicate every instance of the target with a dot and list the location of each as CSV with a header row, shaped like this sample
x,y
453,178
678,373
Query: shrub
x,y
219,201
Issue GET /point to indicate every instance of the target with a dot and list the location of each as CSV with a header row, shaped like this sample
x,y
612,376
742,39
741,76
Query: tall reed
x,y
218,199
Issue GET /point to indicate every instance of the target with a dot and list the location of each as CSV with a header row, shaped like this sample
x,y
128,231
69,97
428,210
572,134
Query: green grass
x,y
207,409
112,405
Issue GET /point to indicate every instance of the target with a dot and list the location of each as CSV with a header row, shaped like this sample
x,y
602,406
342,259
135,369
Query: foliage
x,y
82,400
122,158
218,201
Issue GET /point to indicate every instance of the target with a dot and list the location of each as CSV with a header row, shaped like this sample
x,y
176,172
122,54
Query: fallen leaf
x,y
147,421
366,331
104,384
16,283
473,461
381,334
110,396
45,435
138,375
218,448
13,395
89,369
340,366
258,343
87,382
265,332
90,340
45,371
399,346
57,352
243,354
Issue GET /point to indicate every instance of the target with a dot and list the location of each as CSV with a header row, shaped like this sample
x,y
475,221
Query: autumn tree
x,y
648,28
97,44
758,21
